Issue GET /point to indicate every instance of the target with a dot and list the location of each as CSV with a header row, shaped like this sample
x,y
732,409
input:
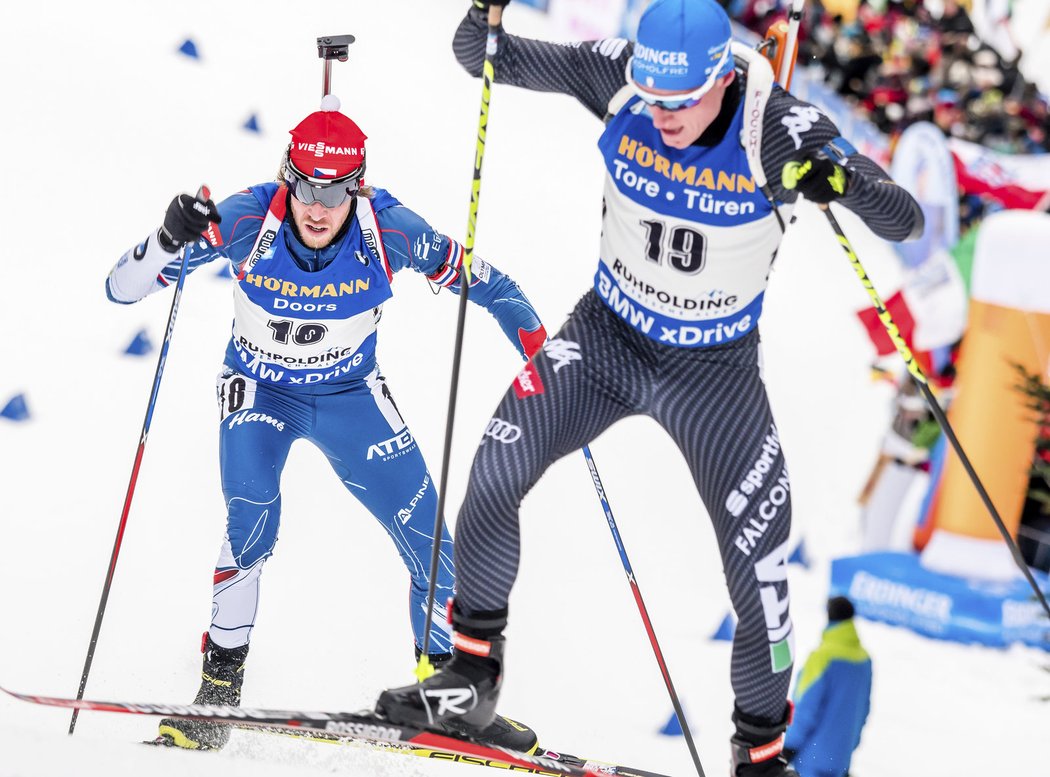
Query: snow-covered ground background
x,y
103,123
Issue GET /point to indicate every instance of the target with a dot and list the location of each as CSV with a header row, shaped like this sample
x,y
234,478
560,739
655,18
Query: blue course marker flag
x,y
140,345
799,555
252,125
189,49
726,630
16,409
673,727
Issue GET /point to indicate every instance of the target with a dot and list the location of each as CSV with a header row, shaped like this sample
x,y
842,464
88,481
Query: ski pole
x,y
920,379
202,193
633,582
424,669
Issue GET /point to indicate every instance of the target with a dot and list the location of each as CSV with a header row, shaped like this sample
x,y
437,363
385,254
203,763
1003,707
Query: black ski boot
x,y
221,678
758,746
502,732
460,698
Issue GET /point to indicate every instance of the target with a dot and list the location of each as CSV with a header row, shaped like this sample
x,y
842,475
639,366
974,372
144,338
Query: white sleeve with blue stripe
x,y
147,267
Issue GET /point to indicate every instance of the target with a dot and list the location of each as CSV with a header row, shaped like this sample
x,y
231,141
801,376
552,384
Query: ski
x,y
602,767
402,748
361,726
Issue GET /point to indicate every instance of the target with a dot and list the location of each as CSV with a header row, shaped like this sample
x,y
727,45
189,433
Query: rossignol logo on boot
x,y
452,700
766,751
756,476
477,647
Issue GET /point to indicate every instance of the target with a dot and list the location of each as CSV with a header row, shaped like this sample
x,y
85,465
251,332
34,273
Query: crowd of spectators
x,y
898,63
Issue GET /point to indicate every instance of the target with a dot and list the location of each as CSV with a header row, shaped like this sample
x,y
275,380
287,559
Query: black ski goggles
x,y
331,194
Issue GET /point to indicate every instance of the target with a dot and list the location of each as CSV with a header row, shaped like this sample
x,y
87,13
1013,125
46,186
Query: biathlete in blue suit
x,y
314,255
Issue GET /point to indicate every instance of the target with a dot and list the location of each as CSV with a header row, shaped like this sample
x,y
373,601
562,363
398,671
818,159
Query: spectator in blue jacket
x,y
832,699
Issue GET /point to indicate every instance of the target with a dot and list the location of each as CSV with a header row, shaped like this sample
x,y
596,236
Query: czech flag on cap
x,y
326,145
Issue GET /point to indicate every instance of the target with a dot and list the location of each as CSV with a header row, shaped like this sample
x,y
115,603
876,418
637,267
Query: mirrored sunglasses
x,y
678,102
330,195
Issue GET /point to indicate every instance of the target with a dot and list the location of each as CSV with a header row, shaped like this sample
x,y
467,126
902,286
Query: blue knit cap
x,y
680,44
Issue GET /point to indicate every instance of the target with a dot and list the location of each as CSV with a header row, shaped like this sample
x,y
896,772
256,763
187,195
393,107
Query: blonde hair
x,y
363,190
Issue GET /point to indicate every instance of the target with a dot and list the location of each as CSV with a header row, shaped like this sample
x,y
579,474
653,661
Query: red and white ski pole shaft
x,y
203,194
633,582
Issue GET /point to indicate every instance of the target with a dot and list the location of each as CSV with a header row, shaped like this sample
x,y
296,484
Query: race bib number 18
x,y
234,393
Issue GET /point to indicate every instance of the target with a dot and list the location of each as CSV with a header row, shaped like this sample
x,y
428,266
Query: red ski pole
x,y
202,193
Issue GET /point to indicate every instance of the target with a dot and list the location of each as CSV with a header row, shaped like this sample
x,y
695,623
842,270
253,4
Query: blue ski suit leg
x,y
374,454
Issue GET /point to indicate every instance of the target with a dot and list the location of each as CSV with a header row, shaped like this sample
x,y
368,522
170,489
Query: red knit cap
x,y
326,145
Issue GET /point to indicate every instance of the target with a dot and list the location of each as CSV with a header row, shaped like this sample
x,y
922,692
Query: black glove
x,y
484,4
816,178
186,219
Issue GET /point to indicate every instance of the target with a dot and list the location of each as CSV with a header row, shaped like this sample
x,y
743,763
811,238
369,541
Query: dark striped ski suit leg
x,y
713,403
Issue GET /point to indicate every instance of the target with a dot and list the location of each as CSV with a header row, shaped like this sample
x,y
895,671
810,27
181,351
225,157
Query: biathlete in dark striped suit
x,y
669,330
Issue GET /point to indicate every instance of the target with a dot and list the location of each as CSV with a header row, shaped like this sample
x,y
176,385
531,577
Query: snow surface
x,y
104,123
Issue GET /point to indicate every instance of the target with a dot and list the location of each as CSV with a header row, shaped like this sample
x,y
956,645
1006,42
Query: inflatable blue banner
x,y
894,588
923,164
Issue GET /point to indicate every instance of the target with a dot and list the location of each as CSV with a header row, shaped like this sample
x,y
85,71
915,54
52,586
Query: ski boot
x,y
222,676
502,732
460,698
758,746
